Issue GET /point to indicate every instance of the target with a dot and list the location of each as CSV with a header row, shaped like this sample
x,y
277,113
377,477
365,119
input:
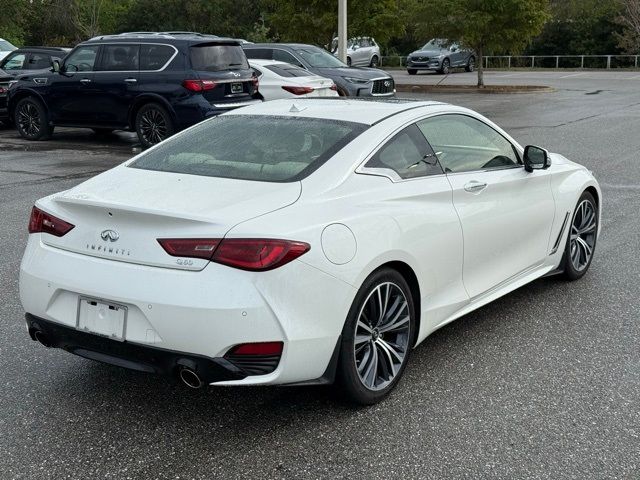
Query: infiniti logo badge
x,y
387,83
109,235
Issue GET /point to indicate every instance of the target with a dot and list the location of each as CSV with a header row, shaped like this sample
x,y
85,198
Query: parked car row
x,y
157,83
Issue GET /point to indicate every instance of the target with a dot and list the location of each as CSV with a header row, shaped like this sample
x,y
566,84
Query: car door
x,y
419,199
71,92
506,213
116,83
39,61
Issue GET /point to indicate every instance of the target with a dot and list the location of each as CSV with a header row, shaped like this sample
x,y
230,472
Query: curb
x,y
412,88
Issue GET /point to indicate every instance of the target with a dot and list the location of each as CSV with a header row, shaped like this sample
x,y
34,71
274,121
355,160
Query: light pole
x,y
342,30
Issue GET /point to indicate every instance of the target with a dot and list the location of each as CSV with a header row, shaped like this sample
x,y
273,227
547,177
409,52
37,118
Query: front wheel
x,y
31,119
446,67
153,124
581,241
412,71
377,337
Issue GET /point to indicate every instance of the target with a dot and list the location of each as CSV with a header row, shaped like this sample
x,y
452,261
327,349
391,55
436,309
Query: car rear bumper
x,y
196,108
190,314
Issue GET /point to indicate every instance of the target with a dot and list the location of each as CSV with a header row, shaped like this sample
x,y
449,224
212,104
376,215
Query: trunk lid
x,y
120,214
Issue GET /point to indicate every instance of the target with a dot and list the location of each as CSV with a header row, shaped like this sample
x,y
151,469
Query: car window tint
x,y
286,57
259,53
252,147
463,144
15,62
119,58
407,154
39,61
286,70
82,59
216,57
155,57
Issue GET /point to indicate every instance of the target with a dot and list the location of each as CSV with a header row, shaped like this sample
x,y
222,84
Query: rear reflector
x,y
42,222
298,90
199,85
254,254
190,247
261,348
333,87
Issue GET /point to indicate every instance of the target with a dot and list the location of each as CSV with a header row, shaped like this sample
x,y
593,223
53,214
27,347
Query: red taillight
x,y
199,85
256,82
3,90
333,87
255,254
298,90
189,247
42,222
262,348
258,254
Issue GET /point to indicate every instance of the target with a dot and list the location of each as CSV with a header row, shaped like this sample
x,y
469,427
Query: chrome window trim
x,y
175,54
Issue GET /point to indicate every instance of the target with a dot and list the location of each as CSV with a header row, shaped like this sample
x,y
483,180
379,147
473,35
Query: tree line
x,y
534,27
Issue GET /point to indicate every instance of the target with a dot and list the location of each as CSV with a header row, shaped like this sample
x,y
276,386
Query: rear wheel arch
x,y
141,102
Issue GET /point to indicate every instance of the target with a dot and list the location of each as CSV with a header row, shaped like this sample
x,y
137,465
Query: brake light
x,y
333,87
261,348
199,85
298,90
3,90
189,247
254,254
256,82
258,254
42,222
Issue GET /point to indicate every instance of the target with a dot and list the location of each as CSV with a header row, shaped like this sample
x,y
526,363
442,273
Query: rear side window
x,y
286,57
287,70
155,57
119,58
39,61
252,147
216,57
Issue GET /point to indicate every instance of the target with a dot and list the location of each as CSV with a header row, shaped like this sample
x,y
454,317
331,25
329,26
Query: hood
x,y
426,53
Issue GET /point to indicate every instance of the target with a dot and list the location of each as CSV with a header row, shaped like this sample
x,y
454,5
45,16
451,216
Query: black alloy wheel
x,y
153,124
31,119
446,66
581,241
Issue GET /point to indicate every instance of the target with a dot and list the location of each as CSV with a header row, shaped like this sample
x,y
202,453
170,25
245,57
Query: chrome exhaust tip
x,y
42,337
190,378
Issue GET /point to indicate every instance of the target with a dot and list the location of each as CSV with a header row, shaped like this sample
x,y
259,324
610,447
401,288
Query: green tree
x,y
629,38
485,25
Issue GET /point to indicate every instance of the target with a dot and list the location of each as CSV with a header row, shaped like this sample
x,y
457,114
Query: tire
x,y
471,64
412,71
446,67
375,61
349,61
153,124
582,237
366,377
31,119
102,131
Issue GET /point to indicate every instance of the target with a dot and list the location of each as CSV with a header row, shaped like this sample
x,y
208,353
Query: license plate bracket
x,y
236,88
102,317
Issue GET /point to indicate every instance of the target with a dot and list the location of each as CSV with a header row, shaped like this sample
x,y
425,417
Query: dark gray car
x,y
441,55
351,81
28,59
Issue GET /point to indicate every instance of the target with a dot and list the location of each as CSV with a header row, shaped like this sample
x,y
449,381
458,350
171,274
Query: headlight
x,y
360,81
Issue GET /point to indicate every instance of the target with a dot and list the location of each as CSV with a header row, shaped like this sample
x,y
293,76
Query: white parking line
x,y
573,75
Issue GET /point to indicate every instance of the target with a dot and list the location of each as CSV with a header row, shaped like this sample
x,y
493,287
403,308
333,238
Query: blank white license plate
x,y
102,318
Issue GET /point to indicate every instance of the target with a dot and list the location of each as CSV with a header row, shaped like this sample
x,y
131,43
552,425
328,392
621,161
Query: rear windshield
x,y
286,70
213,58
252,147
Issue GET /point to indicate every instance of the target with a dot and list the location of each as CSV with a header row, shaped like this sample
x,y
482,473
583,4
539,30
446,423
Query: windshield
x,y
436,44
252,147
213,58
318,58
6,46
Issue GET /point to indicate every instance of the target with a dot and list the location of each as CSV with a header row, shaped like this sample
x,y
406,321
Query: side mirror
x,y
454,49
55,65
536,158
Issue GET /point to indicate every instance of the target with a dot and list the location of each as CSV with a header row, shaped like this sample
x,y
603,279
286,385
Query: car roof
x,y
159,37
366,111
292,46
44,49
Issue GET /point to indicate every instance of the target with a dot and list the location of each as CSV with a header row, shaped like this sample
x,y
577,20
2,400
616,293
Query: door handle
x,y
85,81
130,80
474,186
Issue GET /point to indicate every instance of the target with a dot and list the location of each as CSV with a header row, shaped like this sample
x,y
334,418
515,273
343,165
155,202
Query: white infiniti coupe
x,y
301,242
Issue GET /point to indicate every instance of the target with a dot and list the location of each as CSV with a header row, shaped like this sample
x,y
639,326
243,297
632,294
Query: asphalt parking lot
x,y
543,383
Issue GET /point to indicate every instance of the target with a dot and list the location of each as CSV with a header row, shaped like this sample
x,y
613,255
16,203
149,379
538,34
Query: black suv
x,y
351,81
153,83
26,59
